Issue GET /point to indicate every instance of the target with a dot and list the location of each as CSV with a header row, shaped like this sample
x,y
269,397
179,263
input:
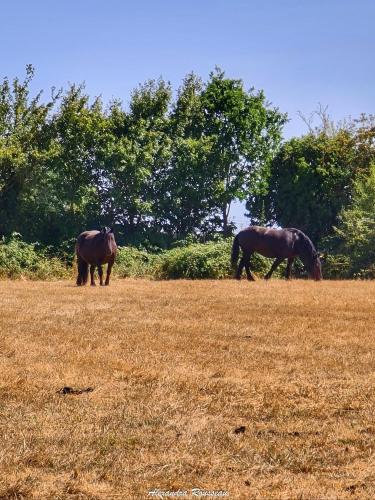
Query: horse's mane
x,y
305,245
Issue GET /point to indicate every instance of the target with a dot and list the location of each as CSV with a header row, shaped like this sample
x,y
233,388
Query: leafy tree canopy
x,y
312,178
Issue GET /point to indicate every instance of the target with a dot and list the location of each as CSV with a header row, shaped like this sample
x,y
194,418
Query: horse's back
x,y
269,242
87,235
90,248
84,239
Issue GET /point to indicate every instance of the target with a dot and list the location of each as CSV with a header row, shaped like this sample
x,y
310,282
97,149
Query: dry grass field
x,y
263,390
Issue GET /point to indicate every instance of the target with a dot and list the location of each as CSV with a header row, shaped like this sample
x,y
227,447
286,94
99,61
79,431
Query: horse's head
x,y
316,267
108,238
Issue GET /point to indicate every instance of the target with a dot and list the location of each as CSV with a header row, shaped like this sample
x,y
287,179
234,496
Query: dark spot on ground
x,y
240,430
70,390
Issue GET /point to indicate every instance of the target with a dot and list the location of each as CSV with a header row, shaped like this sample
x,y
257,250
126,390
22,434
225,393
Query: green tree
x,y
135,158
25,148
70,198
223,139
186,197
311,179
354,235
246,133
184,187
159,170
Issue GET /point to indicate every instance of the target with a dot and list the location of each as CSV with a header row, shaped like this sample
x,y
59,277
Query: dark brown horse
x,y
279,244
95,248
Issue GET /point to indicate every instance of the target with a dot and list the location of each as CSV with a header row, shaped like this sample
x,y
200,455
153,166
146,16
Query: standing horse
x,y
279,244
95,248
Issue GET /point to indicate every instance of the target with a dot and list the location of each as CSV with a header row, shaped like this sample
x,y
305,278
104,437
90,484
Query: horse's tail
x,y
83,271
235,251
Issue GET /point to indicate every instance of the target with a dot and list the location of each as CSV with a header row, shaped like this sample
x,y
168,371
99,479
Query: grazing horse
x,y
95,248
279,244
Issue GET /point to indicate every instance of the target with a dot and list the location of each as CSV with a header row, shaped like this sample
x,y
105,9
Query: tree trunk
x,y
226,227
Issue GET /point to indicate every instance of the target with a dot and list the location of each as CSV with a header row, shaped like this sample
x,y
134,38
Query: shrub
x,y
131,262
336,267
19,259
186,261
365,274
197,261
355,234
202,261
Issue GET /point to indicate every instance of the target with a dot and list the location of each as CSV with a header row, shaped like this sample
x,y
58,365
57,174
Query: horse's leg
x,y
82,271
100,272
273,267
79,271
249,274
289,268
92,270
240,268
109,269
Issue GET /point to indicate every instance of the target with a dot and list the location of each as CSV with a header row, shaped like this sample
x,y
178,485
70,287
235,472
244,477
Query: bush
x,y
186,261
365,274
197,261
19,259
354,236
131,262
202,261
336,267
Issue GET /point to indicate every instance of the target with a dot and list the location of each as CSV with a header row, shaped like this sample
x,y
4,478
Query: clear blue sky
x,y
300,52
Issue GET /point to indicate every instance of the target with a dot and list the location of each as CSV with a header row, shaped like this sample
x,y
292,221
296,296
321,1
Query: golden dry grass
x,y
176,367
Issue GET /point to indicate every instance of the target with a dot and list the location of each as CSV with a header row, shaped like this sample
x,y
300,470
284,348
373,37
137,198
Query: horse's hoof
x,y
93,284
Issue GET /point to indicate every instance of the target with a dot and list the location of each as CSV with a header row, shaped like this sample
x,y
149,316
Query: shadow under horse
x,y
279,244
95,248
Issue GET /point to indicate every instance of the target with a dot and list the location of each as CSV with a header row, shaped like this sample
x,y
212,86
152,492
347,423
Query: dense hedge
x,y
187,261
